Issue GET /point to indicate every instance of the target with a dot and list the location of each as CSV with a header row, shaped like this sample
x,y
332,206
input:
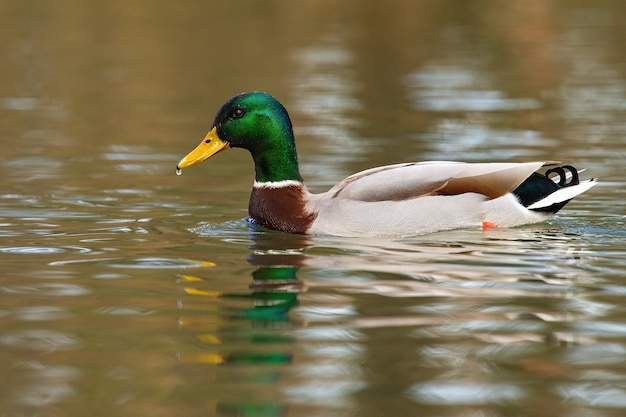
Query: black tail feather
x,y
539,186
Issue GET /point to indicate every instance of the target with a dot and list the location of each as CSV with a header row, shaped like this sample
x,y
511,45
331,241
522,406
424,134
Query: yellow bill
x,y
209,146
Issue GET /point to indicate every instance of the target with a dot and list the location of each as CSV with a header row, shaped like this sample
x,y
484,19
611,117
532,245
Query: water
x,y
128,290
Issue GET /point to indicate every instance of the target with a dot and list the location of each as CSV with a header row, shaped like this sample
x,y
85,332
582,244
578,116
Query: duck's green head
x,y
259,123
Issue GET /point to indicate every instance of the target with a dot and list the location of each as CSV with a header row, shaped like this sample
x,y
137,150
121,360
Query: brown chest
x,y
282,208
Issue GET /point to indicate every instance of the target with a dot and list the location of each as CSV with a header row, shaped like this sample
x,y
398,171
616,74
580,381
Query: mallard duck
x,y
405,199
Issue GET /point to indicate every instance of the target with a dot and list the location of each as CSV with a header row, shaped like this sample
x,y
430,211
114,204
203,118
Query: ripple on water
x,y
124,311
159,263
39,340
597,353
461,393
112,276
233,228
46,289
33,250
41,313
48,384
45,393
139,263
595,394
43,250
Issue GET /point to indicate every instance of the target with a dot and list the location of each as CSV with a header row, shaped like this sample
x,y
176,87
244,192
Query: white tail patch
x,y
563,194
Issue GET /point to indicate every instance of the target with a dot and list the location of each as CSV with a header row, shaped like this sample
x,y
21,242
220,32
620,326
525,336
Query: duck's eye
x,y
237,113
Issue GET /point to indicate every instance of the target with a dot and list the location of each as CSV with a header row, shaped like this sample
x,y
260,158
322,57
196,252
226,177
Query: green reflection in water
x,y
257,353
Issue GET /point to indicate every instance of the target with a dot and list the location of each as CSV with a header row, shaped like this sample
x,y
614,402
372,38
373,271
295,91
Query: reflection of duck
x,y
274,291
260,350
403,199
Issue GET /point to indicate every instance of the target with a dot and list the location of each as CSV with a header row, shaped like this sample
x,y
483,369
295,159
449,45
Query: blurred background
x,y
398,80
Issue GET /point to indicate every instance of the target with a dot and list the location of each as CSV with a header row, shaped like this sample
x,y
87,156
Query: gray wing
x,y
412,180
